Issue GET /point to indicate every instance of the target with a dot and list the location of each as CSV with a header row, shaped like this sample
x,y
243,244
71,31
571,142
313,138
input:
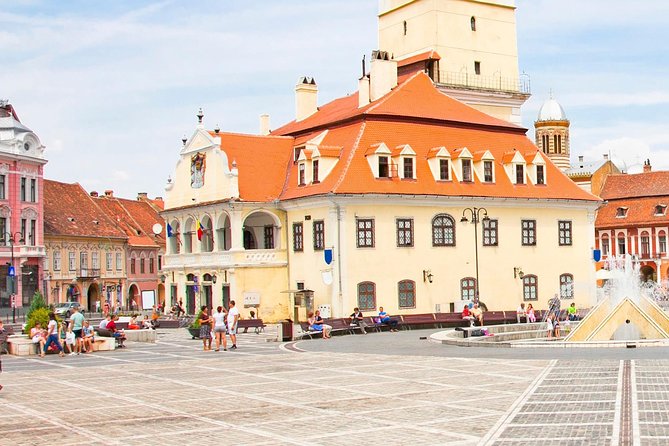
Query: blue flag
x,y
328,256
169,230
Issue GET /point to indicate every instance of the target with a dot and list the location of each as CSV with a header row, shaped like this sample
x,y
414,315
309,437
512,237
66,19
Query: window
x,y
443,230
384,172
605,245
621,245
133,268
3,229
467,171
472,22
108,261
621,212
23,230
33,190
545,144
660,209
529,233
367,296
365,232
477,67
566,286
72,262
32,233
487,171
408,167
489,232
142,265
319,235
298,237
530,288
314,171
302,174
152,267
468,288
95,259
520,174
404,232
56,260
645,244
540,175
405,27
662,242
2,187
564,230
557,142
443,170
406,293
268,235
23,189
119,261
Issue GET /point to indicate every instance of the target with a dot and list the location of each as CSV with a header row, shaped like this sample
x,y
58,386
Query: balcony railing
x,y
89,273
485,83
251,257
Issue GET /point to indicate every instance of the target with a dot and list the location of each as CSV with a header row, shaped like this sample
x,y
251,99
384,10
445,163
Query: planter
x,y
194,332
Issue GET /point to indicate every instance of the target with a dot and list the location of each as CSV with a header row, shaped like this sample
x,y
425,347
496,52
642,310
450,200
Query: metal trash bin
x,y
287,330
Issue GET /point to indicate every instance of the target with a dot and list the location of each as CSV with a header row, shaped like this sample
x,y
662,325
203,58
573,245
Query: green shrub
x,y
196,322
40,315
37,303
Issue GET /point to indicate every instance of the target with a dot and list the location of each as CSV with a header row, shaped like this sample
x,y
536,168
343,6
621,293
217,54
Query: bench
x,y
307,332
167,323
419,320
450,320
104,333
495,317
343,325
256,324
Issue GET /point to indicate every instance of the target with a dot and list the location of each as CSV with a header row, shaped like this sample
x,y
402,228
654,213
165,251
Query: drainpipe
x,y
341,294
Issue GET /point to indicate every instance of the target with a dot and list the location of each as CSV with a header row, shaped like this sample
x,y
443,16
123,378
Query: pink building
x,y
21,208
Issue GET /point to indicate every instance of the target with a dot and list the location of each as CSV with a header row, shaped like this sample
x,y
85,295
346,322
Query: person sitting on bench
x,y
387,320
477,314
467,315
358,320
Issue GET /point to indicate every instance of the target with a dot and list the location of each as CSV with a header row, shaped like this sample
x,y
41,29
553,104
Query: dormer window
x,y
296,153
520,174
444,170
540,175
661,210
384,171
621,212
408,167
467,171
314,170
302,170
487,171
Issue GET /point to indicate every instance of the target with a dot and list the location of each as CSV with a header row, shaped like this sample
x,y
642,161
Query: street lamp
x,y
12,238
475,215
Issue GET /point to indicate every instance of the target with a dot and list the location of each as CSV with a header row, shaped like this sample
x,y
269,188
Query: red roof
x,y
646,184
135,218
427,55
640,193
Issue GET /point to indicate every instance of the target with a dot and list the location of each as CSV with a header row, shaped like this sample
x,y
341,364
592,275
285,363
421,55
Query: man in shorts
x,y
77,325
233,318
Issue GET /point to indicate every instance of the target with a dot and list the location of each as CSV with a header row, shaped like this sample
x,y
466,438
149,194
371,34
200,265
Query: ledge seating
x,y
256,324
103,332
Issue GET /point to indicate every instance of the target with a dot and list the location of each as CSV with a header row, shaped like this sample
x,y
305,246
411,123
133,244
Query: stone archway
x,y
647,273
94,298
161,295
133,298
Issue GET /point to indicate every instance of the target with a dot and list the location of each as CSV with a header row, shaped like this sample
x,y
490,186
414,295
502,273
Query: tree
x,y
36,303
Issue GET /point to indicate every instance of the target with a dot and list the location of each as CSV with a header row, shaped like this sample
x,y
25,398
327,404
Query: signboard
x,y
251,299
148,299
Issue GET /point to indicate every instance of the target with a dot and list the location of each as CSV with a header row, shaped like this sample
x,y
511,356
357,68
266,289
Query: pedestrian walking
x,y
52,335
77,325
233,319
220,328
205,328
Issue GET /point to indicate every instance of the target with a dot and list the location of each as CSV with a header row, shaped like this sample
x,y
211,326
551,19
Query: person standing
x,y
233,319
220,328
205,328
52,335
77,325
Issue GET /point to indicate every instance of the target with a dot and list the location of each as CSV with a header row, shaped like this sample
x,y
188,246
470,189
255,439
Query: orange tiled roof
x,y
646,184
640,212
135,218
427,55
70,211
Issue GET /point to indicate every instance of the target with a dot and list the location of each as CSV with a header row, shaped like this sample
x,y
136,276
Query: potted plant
x,y
194,327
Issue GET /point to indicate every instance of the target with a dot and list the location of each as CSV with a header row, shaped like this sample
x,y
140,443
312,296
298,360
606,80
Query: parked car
x,y
65,309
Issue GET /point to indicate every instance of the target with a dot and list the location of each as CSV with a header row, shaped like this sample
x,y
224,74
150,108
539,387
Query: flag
x,y
199,230
169,230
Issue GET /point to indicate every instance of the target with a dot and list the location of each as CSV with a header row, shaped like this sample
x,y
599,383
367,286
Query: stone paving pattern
x,y
173,393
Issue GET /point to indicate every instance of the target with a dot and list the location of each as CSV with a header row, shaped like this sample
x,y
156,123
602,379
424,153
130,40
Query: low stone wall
x,y
22,345
141,335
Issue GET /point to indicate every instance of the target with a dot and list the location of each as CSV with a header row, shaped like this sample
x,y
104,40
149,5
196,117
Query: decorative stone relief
x,y
5,211
29,213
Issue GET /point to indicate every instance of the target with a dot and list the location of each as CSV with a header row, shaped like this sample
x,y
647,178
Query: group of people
x,y
317,323
473,314
527,313
218,325
109,323
78,337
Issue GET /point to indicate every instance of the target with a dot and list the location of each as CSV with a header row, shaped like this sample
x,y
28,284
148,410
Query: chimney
x,y
580,158
383,75
306,98
142,196
264,124
646,166
94,194
606,157
109,193
363,91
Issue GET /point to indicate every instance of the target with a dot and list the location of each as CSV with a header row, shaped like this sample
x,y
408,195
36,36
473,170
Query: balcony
x,y
88,273
485,83
29,251
227,259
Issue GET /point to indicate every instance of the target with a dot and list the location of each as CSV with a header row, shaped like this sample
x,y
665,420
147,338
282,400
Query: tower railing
x,y
485,83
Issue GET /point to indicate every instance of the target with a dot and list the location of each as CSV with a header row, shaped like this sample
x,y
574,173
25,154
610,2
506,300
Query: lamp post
x,y
11,238
475,215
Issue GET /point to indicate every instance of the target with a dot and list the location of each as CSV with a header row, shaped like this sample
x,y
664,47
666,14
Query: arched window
x,y
443,230
530,287
662,242
473,23
406,293
468,288
621,245
566,286
367,296
645,244
206,236
605,245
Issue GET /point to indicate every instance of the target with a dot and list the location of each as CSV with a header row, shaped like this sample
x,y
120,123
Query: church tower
x,y
551,133
468,47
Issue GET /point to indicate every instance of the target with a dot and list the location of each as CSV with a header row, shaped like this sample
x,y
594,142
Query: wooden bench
x,y
495,317
419,320
256,324
450,320
307,332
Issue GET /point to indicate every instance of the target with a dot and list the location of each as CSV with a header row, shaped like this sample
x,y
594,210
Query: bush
x,y
196,323
40,315
36,304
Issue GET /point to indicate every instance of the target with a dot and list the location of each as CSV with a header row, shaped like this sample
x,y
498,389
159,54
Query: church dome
x,y
551,111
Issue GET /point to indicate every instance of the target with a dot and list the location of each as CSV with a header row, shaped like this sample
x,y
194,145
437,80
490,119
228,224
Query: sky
x,y
111,87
